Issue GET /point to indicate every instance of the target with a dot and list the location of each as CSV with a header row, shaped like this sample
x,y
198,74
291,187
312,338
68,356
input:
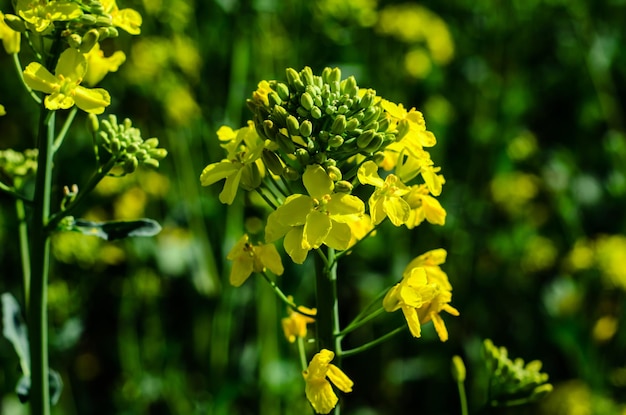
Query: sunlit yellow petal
x,y
339,236
293,245
129,20
397,210
217,171
270,258
410,314
241,270
57,101
231,185
321,396
339,379
72,64
39,78
91,100
316,181
345,208
316,228
368,174
294,210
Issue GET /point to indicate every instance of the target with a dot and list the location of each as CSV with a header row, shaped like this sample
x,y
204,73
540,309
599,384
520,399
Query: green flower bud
x,y
343,186
132,148
326,74
334,173
306,100
306,128
93,124
319,158
316,113
152,163
279,115
104,20
130,165
158,153
274,99
371,114
87,19
292,76
352,124
374,144
89,40
330,110
343,109
15,23
335,141
458,369
403,129
141,155
290,173
285,143
307,76
383,124
303,156
302,112
251,177
151,142
540,391
378,157
365,139
339,125
74,40
334,76
268,129
367,99
112,32
282,90
372,126
348,86
272,162
317,100
293,127
115,146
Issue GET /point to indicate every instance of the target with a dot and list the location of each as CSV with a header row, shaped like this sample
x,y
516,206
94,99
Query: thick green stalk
x,y
40,259
327,320
24,248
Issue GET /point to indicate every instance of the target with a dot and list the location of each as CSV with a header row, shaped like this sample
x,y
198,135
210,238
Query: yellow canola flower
x,y
2,110
423,293
307,222
127,19
10,38
387,200
63,88
423,206
295,324
98,65
318,378
40,14
242,167
248,258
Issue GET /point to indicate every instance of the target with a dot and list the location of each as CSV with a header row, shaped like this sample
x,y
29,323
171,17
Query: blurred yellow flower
x,y
307,222
318,378
2,110
40,14
514,190
610,253
10,38
98,65
581,256
64,86
126,19
248,258
295,324
605,328
540,253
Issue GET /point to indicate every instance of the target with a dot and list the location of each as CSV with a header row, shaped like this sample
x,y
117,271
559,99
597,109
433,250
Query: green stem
x,y
357,322
327,305
13,193
66,126
283,297
360,322
40,261
462,397
25,253
373,343
302,353
267,199
18,69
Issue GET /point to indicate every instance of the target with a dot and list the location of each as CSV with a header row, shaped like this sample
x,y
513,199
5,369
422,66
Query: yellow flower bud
x,y
15,23
458,369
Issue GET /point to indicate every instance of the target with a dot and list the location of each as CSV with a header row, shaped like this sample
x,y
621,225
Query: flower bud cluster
x,y
124,143
321,120
16,166
512,380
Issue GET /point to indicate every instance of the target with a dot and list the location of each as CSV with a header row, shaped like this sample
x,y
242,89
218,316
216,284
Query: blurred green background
x,y
526,99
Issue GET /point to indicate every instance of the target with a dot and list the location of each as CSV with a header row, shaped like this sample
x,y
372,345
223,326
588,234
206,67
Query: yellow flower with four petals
x,y
318,377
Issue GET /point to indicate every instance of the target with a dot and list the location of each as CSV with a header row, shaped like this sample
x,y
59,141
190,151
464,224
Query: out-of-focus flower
x,y
318,378
40,14
63,88
126,19
98,65
540,253
610,252
10,38
295,324
248,258
514,190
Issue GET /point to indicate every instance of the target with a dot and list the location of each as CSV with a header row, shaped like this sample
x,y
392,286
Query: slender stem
x,y
327,305
18,69
13,193
462,397
40,258
267,199
373,343
358,323
301,353
283,297
25,253
66,126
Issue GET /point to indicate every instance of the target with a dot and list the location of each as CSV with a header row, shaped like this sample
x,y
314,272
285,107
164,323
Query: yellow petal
x,y
397,210
339,379
241,270
93,100
56,101
410,314
39,78
72,64
321,396
316,228
294,210
316,181
391,302
293,245
345,208
231,185
368,174
339,236
217,171
239,247
270,258
129,20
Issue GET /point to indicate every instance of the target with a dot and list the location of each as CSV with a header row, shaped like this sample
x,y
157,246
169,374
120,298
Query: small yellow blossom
x,y
386,201
423,293
40,14
307,222
10,38
248,258
127,19
2,110
295,324
610,253
98,65
318,377
64,87
423,206
242,168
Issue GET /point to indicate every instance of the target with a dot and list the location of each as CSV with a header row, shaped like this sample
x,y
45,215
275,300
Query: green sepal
x,y
115,229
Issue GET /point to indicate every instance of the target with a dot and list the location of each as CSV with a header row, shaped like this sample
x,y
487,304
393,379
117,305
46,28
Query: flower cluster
x,y
16,167
126,146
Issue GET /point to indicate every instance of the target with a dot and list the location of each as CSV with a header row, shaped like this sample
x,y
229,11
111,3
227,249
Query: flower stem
x,y
66,126
373,343
327,305
40,258
283,297
362,321
25,254
462,397
18,69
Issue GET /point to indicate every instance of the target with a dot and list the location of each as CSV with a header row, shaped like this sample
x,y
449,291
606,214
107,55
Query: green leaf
x,y
15,330
116,229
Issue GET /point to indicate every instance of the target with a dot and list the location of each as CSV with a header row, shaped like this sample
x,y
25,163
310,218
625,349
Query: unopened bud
x,y
283,91
285,143
74,40
365,139
279,115
92,123
378,157
352,124
541,391
152,142
334,76
15,23
306,100
268,129
335,141
403,129
458,369
292,76
375,144
343,186
334,173
293,126
367,99
290,173
152,163
88,41
158,153
87,19
316,113
339,125
274,99
306,128
130,165
348,86
303,156
307,76
272,162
